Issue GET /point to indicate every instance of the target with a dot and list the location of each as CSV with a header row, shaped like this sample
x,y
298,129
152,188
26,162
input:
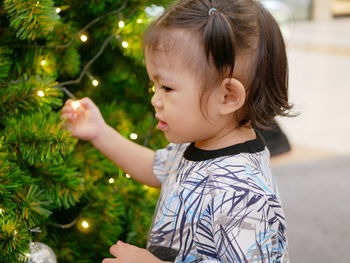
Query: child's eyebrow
x,y
160,77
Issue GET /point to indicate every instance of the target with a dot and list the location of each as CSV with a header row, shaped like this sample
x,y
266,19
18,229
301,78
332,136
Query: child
x,y
220,70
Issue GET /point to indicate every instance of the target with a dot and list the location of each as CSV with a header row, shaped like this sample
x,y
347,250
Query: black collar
x,y
192,153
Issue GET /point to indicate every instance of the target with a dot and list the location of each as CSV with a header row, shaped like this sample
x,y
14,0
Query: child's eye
x,y
167,89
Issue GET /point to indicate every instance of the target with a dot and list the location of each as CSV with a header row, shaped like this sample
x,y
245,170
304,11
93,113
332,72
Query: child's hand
x,y
83,118
126,253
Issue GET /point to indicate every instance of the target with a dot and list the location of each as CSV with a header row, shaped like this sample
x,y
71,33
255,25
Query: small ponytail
x,y
219,42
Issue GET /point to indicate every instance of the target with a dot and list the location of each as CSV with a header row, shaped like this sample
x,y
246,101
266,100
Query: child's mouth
x,y
162,125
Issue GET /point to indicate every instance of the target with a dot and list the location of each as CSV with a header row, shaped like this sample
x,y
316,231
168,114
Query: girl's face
x,y
177,94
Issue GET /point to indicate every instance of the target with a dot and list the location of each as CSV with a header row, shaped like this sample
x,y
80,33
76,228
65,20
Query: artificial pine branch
x,y
22,96
32,205
86,27
31,19
38,138
14,239
35,154
5,63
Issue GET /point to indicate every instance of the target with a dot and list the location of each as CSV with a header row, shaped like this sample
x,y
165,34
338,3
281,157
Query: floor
x,y
319,61
315,197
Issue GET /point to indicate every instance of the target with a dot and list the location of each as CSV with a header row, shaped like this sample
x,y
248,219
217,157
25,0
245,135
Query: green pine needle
x,y
32,206
38,138
31,19
23,96
14,239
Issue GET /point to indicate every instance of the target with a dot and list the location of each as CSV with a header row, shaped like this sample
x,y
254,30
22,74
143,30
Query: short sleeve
x,y
241,227
165,159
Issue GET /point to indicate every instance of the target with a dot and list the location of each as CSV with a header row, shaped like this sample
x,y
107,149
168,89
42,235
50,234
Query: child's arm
x,y
87,123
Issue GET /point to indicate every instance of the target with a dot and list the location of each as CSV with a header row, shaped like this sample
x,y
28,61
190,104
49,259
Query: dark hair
x,y
235,27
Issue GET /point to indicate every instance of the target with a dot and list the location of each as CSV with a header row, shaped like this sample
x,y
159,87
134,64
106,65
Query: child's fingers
x,y
71,105
67,109
68,102
114,250
68,116
87,103
109,260
66,126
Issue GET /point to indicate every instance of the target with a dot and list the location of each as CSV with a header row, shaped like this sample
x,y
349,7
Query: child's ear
x,y
232,95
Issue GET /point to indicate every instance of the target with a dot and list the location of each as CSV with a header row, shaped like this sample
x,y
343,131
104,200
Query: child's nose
x,y
156,101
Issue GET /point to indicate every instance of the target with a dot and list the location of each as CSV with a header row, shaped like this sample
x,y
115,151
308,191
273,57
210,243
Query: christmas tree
x,y
54,189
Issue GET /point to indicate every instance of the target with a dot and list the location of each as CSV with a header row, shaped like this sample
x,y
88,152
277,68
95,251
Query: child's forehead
x,y
174,47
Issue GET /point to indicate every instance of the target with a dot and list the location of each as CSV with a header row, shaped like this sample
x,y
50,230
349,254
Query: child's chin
x,y
174,139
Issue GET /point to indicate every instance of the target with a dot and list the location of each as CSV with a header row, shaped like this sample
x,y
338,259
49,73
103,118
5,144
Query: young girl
x,y
220,70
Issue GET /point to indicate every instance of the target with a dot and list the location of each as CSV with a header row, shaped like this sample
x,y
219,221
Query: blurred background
x,y
314,176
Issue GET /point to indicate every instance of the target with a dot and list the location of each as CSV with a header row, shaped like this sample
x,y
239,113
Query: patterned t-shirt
x,y
217,206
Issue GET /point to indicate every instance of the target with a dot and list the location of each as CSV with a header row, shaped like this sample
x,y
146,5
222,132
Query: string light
x,y
41,93
58,10
37,2
83,38
92,78
133,136
2,211
127,176
139,21
125,44
43,62
15,232
111,180
85,224
75,105
121,24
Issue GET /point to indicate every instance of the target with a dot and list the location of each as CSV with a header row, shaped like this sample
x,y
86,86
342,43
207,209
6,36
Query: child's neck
x,y
228,137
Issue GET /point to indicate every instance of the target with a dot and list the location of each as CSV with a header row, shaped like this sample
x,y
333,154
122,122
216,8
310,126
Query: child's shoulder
x,y
176,147
246,171
172,150
243,162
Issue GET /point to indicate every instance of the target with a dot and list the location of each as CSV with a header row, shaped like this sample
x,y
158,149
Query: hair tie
x,y
211,10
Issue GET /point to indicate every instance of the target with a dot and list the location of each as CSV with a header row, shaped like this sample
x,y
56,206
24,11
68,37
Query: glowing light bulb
x,y
76,104
83,38
41,93
95,82
121,24
125,44
127,176
58,10
139,21
111,180
85,224
15,232
43,62
37,2
133,136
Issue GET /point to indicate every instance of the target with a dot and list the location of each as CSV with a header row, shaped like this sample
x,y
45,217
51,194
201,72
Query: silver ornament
x,y
41,253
